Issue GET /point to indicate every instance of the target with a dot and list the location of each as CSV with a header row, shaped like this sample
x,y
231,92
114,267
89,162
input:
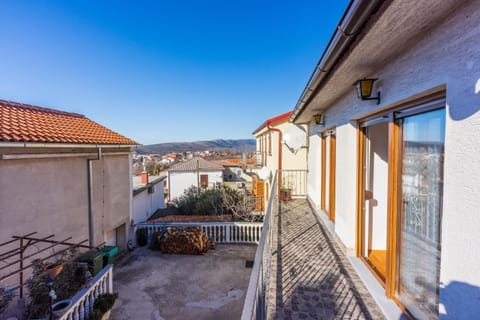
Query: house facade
x,y
148,196
62,174
274,153
196,172
395,175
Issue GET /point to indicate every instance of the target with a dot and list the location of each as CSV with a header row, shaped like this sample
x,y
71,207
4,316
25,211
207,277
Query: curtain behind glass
x,y
422,193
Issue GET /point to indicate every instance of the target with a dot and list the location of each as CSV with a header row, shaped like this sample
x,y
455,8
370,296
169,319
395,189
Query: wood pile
x,y
184,240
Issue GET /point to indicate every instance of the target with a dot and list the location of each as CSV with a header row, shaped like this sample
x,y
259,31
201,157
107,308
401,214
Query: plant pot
x,y
60,307
53,269
106,315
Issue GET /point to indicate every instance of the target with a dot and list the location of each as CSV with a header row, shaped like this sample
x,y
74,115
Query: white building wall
x,y
145,204
447,57
313,175
346,185
180,181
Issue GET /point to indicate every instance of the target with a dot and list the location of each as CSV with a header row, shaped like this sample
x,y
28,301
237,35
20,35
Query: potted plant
x,y
102,306
54,269
6,295
286,190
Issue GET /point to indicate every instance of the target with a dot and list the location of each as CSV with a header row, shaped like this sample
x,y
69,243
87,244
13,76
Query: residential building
x,y
274,153
148,196
196,172
63,174
395,178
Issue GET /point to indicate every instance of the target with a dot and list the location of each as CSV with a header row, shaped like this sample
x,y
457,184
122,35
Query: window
x,y
204,180
270,143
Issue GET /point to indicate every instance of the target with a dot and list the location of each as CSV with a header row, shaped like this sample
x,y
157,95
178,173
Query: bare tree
x,y
242,206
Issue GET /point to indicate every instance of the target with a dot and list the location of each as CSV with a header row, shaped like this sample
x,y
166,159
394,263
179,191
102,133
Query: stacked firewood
x,y
184,240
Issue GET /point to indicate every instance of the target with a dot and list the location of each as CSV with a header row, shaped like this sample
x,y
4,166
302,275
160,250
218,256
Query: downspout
x,y
90,197
279,154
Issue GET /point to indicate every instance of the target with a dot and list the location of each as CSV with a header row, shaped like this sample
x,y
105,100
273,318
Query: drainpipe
x,y
279,154
90,197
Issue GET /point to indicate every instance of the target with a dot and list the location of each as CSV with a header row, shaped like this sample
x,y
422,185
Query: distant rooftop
x,y
137,181
197,164
28,123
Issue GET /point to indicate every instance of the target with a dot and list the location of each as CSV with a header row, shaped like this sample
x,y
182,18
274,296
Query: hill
x,y
219,144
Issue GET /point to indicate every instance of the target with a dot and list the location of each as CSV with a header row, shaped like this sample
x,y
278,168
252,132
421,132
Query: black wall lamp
x,y
364,89
319,119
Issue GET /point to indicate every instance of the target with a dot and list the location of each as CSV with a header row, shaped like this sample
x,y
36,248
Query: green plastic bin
x,y
94,259
109,253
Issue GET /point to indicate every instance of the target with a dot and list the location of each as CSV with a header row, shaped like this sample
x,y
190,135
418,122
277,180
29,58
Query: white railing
x,y
220,232
82,302
256,298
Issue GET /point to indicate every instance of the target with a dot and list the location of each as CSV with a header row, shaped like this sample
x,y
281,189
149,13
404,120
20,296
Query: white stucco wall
x,y
447,56
50,196
145,204
180,181
314,174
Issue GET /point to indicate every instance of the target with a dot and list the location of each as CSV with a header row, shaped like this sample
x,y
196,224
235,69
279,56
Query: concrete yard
x,y
152,285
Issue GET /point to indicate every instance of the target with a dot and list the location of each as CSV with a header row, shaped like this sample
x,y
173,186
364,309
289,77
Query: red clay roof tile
x,y
27,123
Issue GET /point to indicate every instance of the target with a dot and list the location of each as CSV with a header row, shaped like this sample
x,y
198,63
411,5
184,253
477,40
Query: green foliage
x,y
65,285
102,304
142,237
218,201
6,295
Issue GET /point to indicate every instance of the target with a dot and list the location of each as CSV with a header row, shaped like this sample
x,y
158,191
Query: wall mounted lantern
x,y
364,89
319,119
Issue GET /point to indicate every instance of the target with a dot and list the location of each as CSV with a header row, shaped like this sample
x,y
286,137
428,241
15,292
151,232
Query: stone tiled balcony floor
x,y
311,277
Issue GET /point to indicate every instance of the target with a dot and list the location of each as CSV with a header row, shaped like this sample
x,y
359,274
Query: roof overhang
x,y
64,145
273,121
369,36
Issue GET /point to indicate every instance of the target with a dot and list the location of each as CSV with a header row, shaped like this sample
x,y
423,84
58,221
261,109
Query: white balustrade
x,y
82,302
220,232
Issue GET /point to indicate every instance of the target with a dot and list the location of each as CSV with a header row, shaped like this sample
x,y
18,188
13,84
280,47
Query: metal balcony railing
x,y
256,300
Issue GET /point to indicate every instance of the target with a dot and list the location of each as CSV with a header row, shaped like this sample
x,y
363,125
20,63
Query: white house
x,y
274,153
395,173
148,196
196,172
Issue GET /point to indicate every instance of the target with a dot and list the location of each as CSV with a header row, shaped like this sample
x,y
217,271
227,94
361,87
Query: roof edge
x,y
274,120
353,20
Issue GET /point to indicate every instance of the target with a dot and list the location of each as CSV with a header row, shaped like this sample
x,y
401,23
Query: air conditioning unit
x,y
151,189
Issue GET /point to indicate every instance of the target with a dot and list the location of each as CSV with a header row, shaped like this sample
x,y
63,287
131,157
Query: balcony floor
x,y
311,277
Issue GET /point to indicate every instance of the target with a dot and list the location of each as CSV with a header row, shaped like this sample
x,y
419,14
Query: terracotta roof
x,y
274,120
227,162
28,123
196,164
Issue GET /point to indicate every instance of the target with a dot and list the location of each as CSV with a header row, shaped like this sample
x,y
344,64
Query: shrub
x,y
142,237
102,304
65,285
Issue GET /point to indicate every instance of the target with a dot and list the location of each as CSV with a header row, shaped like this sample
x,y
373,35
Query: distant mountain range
x,y
240,145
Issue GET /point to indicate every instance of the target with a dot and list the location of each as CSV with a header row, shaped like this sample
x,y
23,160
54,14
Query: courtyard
x,y
152,285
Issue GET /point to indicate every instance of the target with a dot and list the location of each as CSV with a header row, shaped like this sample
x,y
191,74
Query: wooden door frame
x,y
331,191
394,204
323,171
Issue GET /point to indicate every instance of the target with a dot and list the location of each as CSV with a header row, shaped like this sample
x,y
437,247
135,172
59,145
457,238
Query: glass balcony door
x,y
375,196
421,161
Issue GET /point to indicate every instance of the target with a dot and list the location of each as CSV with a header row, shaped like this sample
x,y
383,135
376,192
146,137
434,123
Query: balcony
x,y
300,272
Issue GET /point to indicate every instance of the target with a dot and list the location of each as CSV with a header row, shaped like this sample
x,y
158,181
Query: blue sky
x,y
163,71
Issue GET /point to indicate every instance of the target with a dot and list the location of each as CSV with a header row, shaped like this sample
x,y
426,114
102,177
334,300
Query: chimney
x,y
144,177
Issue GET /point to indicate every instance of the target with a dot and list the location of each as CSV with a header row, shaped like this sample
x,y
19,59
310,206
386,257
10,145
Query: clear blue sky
x,y
163,71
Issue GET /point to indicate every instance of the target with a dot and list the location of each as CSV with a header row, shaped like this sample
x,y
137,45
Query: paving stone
x,y
311,276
